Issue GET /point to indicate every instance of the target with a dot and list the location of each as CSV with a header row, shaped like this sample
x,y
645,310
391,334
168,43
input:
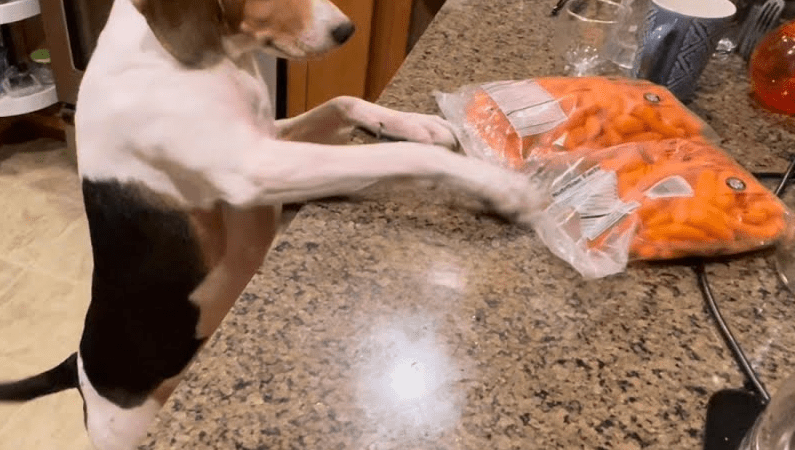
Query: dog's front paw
x,y
422,128
517,198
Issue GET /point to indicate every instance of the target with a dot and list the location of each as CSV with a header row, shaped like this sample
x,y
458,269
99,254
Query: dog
x,y
184,170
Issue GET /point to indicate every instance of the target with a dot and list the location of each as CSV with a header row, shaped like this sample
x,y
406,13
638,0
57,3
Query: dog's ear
x,y
233,13
191,30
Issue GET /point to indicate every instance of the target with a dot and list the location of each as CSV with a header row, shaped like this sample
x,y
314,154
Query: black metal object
x,y
730,414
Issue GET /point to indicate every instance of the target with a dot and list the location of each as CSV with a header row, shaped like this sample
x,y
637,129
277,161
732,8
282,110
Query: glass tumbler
x,y
775,428
623,43
583,30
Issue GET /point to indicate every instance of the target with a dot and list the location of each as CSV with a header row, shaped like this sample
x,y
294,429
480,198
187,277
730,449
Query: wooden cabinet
x,y
363,66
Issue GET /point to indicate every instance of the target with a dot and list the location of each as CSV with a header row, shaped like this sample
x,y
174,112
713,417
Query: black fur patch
x,y
140,328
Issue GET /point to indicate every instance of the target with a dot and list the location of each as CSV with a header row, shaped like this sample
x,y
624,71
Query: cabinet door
x,y
340,72
391,21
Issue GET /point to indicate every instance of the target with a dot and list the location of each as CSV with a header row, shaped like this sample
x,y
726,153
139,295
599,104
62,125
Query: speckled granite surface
x,y
407,320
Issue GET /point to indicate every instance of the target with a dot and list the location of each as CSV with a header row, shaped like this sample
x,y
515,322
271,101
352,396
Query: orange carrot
x,y
628,125
678,232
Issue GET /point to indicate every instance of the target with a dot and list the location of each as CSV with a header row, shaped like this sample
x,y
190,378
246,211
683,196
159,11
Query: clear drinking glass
x,y
584,28
623,43
775,428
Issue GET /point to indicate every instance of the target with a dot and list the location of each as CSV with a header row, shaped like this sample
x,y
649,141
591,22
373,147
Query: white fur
x,y
326,16
109,426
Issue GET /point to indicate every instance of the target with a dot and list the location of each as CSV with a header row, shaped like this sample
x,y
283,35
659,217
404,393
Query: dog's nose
x,y
342,33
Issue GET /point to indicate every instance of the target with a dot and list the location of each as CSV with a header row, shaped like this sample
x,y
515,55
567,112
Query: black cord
x,y
737,351
706,291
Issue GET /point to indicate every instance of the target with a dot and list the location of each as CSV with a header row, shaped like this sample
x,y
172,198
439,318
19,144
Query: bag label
x,y
671,187
593,194
529,107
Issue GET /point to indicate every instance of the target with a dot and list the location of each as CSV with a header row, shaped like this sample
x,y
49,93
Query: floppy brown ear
x,y
190,30
233,13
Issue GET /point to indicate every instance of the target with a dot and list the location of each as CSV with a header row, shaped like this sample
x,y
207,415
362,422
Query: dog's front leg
x,y
332,122
292,172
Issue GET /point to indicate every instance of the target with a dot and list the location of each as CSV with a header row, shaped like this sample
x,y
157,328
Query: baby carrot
x,y
709,219
576,138
644,136
628,125
645,251
593,127
677,232
661,218
764,232
755,216
681,212
706,184
610,137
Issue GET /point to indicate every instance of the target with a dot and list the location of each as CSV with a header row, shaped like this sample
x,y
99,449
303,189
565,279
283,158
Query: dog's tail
x,y
59,378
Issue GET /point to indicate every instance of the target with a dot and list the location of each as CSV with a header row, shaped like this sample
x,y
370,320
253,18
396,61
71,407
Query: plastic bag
x,y
508,121
644,195
654,200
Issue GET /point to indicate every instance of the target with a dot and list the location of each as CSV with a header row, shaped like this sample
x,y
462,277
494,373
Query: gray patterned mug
x,y
678,39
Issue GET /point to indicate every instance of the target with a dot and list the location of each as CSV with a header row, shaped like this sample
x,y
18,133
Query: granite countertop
x,y
407,319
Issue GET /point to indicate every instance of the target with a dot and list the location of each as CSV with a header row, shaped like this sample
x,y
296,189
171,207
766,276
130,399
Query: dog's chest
x,y
249,82
234,243
225,233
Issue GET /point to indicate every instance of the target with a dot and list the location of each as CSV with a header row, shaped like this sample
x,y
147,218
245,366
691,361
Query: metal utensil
x,y
558,7
761,19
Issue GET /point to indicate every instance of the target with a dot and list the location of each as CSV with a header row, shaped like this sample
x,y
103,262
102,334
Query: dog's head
x,y
199,32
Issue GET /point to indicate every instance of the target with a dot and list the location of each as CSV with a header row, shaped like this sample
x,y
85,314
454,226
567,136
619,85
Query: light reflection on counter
x,y
408,384
447,276
408,380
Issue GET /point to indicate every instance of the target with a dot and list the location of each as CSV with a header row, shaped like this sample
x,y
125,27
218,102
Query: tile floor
x,y
45,270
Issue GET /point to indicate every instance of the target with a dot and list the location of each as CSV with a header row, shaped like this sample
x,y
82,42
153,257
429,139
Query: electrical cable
x,y
737,351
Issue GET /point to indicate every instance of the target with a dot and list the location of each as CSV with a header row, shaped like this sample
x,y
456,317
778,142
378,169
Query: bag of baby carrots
x,y
507,121
653,200
633,175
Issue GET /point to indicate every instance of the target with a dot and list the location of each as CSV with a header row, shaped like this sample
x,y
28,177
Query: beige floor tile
x,y
30,161
66,256
32,219
44,291
41,319
9,273
7,411
49,423
57,180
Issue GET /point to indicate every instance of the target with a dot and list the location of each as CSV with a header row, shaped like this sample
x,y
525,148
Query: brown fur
x,y
192,30
276,19
209,229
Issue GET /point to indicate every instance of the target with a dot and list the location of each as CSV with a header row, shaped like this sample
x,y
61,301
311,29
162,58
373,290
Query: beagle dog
x,y
184,169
